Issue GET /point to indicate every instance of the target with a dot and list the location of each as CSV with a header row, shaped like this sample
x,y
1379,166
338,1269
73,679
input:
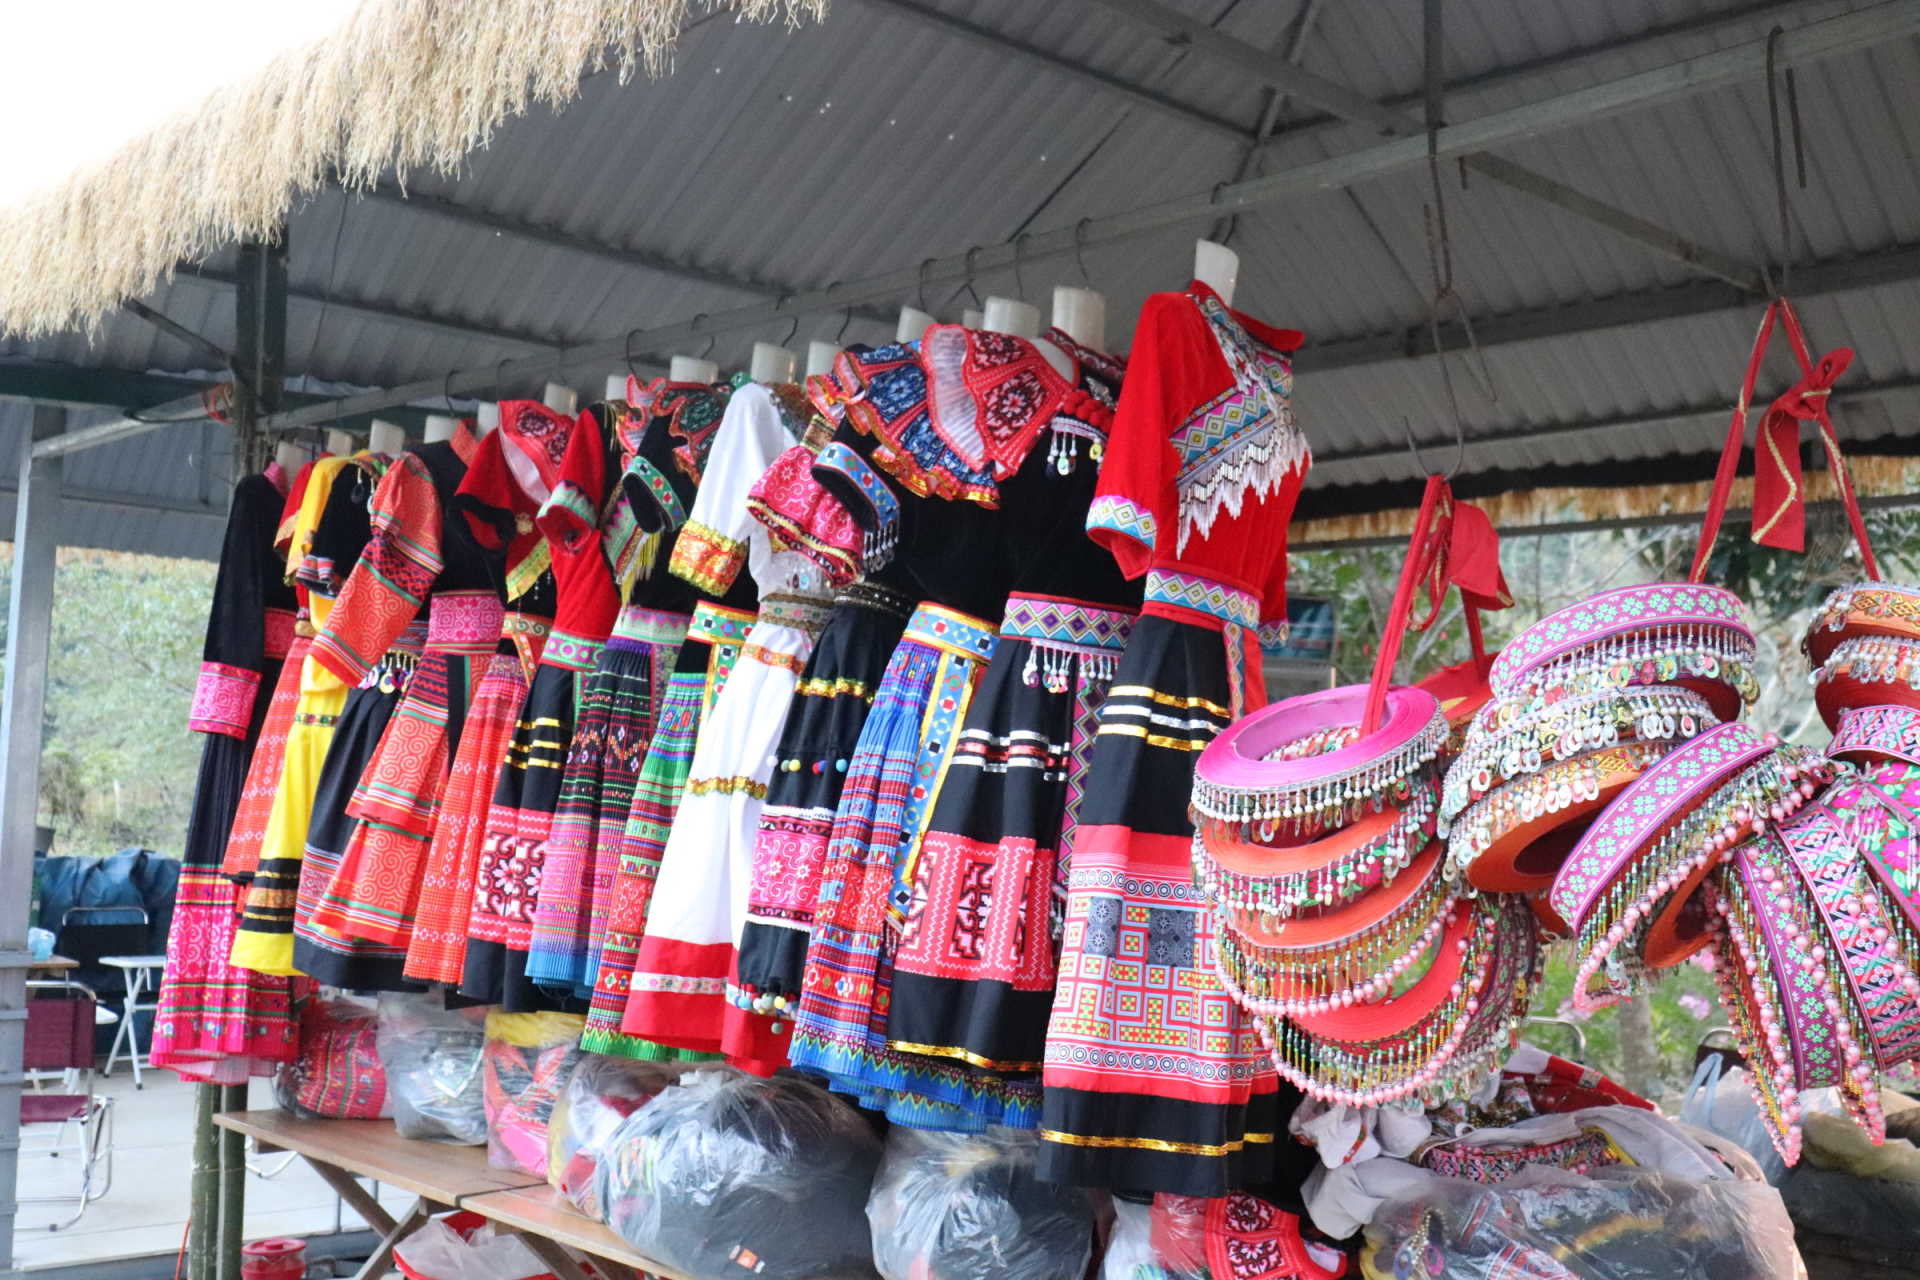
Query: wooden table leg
x,y
356,1196
382,1258
558,1260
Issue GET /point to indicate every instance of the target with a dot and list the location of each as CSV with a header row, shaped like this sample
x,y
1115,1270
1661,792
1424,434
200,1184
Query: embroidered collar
x,y
1245,438
887,399
693,410
990,394
534,441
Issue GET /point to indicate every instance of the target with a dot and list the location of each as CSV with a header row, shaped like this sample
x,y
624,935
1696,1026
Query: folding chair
x,y
60,1021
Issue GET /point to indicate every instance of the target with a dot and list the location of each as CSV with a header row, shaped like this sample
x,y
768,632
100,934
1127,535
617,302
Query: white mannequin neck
x,y
560,399
441,427
291,456
1006,315
1081,314
820,357
340,443
1217,267
387,438
693,369
772,364
485,418
913,323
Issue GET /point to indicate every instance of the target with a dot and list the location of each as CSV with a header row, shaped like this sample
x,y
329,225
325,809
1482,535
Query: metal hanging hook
x,y
1019,284
1079,242
845,320
791,329
446,390
498,385
626,353
968,284
923,284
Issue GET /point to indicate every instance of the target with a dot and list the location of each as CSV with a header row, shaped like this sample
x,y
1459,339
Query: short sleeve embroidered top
x,y
1205,459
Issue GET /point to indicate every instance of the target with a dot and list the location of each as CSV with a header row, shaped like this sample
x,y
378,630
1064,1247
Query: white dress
x,y
699,906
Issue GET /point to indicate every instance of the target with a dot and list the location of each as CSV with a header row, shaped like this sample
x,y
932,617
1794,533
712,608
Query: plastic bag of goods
x,y
463,1246
1621,1222
432,1057
525,1065
950,1206
600,1095
726,1176
1139,1250
337,1075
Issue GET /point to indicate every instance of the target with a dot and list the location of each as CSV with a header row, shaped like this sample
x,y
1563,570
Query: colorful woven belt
x,y
1171,593
651,626
575,653
802,613
718,624
464,622
953,632
1058,630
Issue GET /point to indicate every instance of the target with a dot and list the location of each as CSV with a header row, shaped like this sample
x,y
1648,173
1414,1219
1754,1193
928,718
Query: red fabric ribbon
x,y
1779,499
1452,545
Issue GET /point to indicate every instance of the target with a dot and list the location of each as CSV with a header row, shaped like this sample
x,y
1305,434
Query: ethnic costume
x,y
698,906
336,502
249,827
421,555
437,951
215,1022
955,420
668,444
619,711
974,977
1155,1081
822,731
562,463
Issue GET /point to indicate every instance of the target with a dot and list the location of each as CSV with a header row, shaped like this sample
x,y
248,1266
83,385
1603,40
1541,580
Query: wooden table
x,y
52,968
543,1216
438,1175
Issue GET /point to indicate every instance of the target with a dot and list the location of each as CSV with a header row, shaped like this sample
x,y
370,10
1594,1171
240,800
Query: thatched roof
x,y
402,85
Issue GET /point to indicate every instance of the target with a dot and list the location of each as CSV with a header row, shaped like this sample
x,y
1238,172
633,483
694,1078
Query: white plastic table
x,y
137,969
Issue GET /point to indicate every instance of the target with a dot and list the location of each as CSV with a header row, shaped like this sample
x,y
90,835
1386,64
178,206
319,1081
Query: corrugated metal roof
x,y
875,140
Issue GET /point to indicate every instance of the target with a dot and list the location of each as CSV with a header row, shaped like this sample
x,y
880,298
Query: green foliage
x,y
118,766
1686,1005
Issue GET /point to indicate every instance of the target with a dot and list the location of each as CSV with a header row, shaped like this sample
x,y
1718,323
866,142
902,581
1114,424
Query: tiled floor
x,y
145,1212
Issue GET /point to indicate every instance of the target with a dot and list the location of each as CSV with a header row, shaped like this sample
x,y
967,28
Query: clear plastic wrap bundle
x,y
1138,1248
1622,1222
338,1075
432,1057
949,1206
525,1065
728,1175
600,1095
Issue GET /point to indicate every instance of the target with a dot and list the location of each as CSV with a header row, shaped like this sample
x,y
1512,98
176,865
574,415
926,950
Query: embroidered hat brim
x,y
1864,609
1526,856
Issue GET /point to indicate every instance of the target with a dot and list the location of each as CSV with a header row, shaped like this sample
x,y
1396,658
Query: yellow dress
x,y
264,940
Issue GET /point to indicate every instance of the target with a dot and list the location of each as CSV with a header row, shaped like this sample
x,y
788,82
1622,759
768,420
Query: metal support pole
x,y
233,1187
203,1196
36,527
260,346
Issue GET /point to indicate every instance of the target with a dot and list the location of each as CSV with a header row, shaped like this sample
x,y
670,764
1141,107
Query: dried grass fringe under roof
x,y
403,84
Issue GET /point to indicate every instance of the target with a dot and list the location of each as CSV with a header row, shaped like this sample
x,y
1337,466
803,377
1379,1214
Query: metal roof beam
x,y
1888,20
1651,41
553,237
999,42
387,311
1286,76
1838,275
